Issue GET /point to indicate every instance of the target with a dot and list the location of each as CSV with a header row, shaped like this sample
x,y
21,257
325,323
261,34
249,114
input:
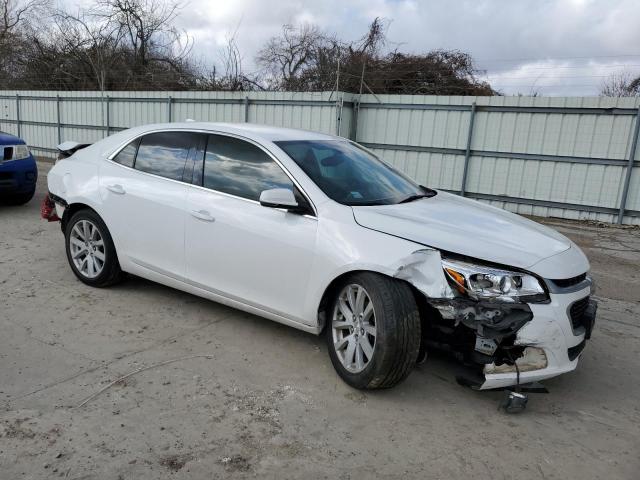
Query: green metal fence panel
x,y
549,156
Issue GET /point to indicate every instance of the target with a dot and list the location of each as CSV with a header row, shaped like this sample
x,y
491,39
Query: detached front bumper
x,y
554,339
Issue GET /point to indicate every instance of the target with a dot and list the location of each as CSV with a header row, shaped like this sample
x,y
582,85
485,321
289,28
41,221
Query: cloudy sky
x,y
553,47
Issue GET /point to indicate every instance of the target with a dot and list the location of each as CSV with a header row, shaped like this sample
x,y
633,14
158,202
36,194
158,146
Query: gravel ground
x,y
238,396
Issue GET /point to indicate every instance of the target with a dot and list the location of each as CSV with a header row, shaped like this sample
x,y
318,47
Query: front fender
x,y
347,247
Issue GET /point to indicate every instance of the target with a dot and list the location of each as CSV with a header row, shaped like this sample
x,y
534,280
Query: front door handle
x,y
203,215
117,189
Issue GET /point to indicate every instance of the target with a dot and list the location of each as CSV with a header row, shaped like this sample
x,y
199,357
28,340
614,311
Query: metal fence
x,y
568,157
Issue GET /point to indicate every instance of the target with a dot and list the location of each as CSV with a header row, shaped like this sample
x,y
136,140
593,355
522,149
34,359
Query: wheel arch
x,y
334,285
111,271
71,209
74,207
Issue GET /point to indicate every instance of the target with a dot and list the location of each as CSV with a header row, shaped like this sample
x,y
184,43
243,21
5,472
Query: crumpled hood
x,y
459,225
8,139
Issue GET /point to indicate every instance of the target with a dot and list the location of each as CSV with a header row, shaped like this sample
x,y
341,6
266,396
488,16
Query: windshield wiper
x,y
411,198
417,196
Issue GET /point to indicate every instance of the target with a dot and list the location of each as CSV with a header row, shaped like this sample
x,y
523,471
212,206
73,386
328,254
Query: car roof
x,y
249,130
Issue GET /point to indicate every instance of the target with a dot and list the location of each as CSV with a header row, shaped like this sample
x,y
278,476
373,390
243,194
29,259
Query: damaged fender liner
x,y
489,319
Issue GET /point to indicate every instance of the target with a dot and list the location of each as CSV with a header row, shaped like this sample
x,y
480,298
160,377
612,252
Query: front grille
x,y
6,179
576,312
569,282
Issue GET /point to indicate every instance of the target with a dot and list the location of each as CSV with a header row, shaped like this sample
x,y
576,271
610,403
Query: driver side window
x,y
240,168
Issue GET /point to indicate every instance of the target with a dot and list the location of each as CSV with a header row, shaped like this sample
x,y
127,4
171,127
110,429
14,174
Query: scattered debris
x,y
174,462
514,402
15,429
236,463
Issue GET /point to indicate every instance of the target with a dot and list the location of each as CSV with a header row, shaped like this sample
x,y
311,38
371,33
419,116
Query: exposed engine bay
x,y
475,333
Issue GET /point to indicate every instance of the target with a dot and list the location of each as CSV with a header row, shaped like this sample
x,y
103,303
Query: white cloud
x,y
534,39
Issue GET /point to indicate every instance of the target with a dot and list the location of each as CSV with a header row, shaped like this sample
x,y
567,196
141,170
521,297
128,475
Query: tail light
x,y
48,210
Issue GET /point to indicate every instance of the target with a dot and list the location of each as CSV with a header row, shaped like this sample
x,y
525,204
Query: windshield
x,y
349,174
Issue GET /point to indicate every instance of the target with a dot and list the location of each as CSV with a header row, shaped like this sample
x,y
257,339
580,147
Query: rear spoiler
x,y
66,149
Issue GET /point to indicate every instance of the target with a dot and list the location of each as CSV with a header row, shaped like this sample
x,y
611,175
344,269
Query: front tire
x,y
90,250
374,331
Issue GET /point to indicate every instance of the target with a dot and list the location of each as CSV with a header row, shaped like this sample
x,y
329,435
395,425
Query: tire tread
x,y
397,358
407,323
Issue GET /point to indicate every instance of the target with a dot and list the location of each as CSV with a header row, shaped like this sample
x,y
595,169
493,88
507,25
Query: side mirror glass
x,y
278,198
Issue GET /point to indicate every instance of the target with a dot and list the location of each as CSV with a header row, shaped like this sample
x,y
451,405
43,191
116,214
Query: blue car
x,y
18,171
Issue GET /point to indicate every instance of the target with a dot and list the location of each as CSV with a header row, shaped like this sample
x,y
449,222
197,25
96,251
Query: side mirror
x,y
279,198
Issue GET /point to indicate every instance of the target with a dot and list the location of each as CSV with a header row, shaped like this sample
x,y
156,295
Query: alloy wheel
x,y
87,248
354,328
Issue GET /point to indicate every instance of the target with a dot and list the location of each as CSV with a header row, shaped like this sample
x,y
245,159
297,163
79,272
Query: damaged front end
x,y
482,335
474,311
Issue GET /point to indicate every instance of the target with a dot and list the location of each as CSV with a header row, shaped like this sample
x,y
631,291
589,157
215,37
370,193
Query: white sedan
x,y
314,231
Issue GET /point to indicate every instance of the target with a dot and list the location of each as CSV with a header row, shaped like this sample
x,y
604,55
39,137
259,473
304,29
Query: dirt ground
x,y
246,397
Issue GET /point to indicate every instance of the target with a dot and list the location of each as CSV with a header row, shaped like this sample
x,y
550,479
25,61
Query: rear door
x,y
144,194
238,248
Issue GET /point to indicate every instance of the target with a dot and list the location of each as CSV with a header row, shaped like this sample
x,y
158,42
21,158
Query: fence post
x,y
246,109
627,177
169,102
108,115
58,119
338,115
467,152
339,105
18,114
355,114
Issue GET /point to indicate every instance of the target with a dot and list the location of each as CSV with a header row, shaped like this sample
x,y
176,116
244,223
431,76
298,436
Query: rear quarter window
x,y
164,153
127,155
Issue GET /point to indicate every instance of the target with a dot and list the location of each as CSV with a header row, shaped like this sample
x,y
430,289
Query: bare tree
x,y
14,12
233,77
91,41
134,44
303,58
147,25
285,57
375,38
232,63
96,49
620,85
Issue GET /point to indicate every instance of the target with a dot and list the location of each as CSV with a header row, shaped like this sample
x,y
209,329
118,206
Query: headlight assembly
x,y
16,152
482,282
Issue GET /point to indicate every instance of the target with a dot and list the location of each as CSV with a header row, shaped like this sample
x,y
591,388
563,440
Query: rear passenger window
x,y
164,153
240,168
127,155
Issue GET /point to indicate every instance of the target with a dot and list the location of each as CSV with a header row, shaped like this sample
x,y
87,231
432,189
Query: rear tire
x,y
90,250
378,346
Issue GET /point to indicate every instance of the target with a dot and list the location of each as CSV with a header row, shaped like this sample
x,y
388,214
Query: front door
x,y
234,246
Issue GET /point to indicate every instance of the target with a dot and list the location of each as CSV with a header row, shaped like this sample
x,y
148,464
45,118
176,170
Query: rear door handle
x,y
117,189
203,215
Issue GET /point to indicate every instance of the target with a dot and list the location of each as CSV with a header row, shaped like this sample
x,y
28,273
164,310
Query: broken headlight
x,y
482,282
